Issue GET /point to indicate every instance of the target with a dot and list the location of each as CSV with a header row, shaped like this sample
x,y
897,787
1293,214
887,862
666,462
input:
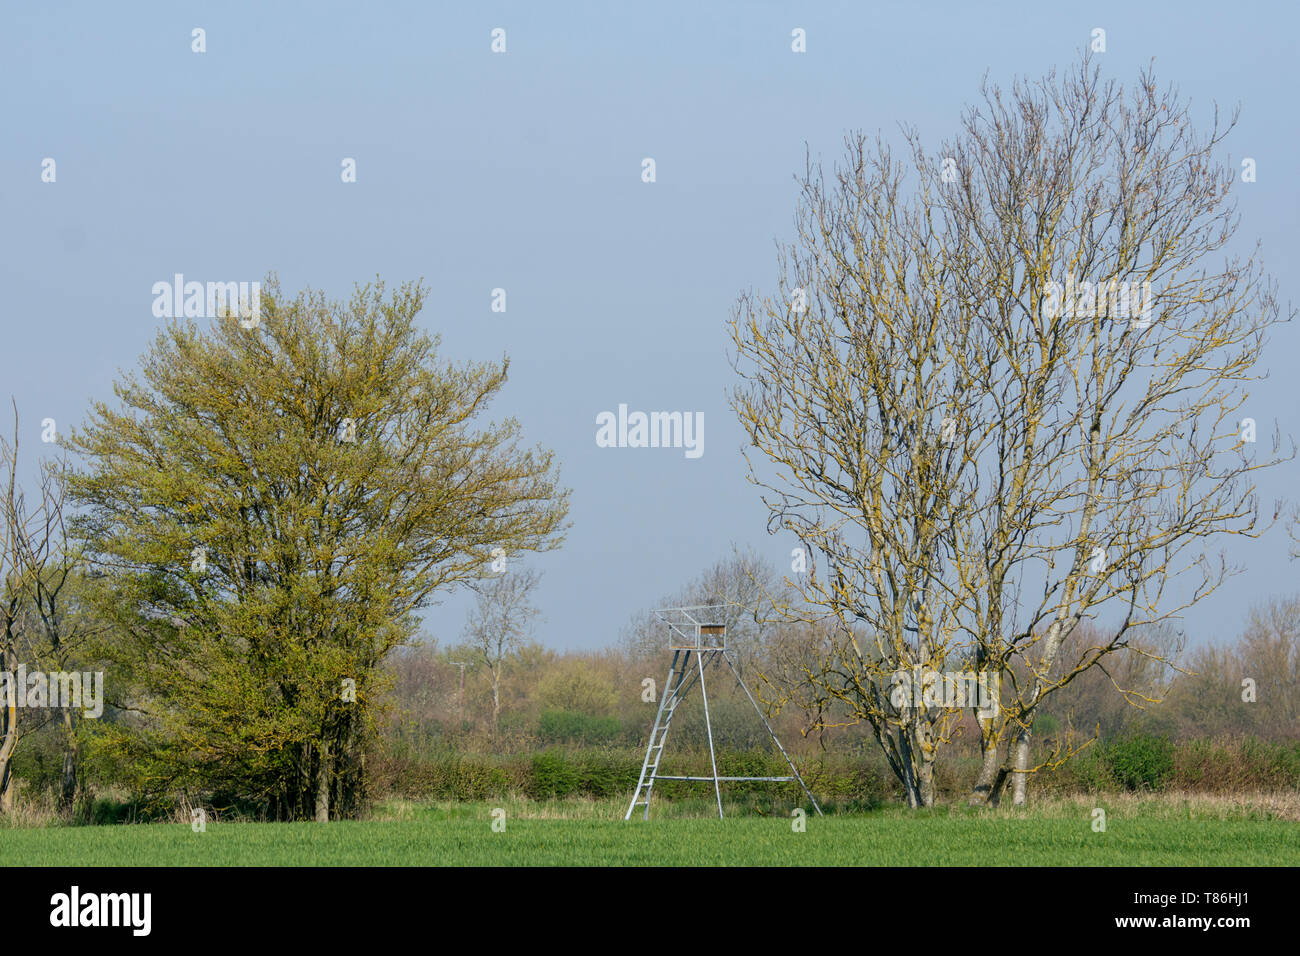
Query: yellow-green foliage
x,y
271,505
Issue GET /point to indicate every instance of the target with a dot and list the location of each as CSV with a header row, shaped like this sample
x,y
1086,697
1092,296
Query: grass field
x,y
1139,832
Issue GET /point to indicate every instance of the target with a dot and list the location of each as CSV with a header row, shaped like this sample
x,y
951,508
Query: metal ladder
x,y
681,678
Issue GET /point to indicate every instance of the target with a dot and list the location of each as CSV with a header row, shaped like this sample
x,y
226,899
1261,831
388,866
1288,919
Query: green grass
x,y
1139,833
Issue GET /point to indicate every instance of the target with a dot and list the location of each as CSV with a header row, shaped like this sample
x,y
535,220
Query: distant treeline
x,y
576,722
1246,686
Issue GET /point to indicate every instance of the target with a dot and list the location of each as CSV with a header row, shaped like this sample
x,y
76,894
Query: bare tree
x,y
1251,686
52,587
12,566
1120,692
978,457
40,621
748,587
849,380
502,617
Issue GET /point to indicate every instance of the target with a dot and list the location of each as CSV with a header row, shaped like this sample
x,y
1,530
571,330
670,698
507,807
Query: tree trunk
x,y
6,793
908,775
9,723
925,779
923,754
916,753
71,753
324,768
496,701
988,784
1020,781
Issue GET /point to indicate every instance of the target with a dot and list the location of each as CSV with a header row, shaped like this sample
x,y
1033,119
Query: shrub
x,y
567,726
1141,761
553,776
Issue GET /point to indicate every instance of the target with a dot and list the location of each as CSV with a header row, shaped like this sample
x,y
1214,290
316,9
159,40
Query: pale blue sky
x,y
522,171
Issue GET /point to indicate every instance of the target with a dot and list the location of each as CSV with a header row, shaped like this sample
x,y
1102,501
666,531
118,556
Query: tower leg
x,y
708,726
771,733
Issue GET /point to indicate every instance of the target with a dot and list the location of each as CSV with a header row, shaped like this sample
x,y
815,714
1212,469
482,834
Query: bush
x,y
1088,772
1228,766
1134,762
585,773
567,726
553,776
1140,762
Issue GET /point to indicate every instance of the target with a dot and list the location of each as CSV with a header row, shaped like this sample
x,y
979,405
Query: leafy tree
x,y
270,507
573,685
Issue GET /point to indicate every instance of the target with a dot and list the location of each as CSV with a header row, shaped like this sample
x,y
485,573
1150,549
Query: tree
x,y
1140,672
573,685
13,527
502,617
271,506
744,583
55,588
43,620
1251,686
977,458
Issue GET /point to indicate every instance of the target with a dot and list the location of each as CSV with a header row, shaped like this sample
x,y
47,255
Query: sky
x,y
478,170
